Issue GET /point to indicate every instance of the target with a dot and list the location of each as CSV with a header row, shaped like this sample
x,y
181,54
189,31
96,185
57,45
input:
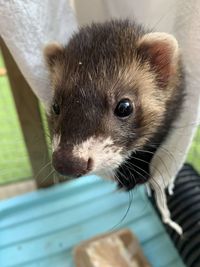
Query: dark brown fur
x,y
102,64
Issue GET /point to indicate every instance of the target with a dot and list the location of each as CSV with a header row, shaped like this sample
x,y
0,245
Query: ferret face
x,y
112,86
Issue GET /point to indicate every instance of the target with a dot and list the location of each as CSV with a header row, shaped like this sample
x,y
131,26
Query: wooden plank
x,y
14,189
30,120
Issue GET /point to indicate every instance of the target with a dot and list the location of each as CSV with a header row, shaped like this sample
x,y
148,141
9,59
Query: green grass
x,y
14,162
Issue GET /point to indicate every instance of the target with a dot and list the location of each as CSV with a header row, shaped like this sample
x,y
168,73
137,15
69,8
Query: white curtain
x,y
26,26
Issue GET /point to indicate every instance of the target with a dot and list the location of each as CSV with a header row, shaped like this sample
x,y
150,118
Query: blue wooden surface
x,y
41,228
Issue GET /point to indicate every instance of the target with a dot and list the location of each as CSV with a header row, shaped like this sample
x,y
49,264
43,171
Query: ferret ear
x,y
162,51
52,52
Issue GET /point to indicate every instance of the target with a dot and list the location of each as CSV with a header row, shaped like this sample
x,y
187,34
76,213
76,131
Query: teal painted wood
x,y
41,228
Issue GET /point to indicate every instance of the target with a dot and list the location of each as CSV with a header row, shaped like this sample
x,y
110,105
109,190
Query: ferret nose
x,y
68,165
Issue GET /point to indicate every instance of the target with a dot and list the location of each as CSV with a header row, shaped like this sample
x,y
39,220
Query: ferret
x,y
118,90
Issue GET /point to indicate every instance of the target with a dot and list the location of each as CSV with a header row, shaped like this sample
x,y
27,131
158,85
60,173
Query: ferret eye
x,y
56,108
124,108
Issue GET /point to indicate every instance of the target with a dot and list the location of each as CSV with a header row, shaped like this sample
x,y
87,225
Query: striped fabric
x,y
185,209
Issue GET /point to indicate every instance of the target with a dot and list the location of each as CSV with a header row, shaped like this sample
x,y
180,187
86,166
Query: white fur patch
x,y
56,142
105,155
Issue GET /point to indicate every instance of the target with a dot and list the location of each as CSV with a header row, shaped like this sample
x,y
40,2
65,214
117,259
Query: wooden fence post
x,y
28,110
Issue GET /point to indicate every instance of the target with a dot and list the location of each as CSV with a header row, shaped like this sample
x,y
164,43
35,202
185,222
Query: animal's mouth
x,y
128,170
89,156
133,171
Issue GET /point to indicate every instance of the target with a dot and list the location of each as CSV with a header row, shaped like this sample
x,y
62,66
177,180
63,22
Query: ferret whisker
x,y
125,177
131,175
146,163
144,172
133,168
55,178
113,174
126,213
161,160
45,178
169,154
43,168
119,180
153,145
130,194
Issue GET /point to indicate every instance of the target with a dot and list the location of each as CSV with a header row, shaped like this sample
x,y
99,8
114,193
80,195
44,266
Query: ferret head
x,y
116,90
